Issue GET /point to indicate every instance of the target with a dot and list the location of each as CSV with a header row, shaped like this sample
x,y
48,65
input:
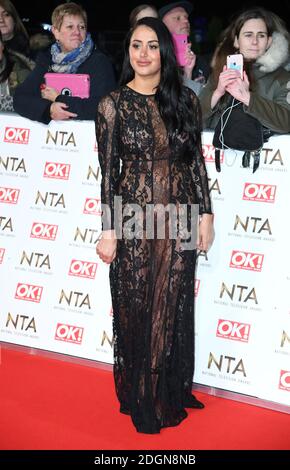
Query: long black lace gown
x,y
152,280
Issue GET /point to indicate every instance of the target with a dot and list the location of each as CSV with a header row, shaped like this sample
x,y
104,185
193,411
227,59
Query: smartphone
x,y
180,46
236,62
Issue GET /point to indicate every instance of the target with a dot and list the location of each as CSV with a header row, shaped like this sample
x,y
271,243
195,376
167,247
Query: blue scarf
x,y
69,62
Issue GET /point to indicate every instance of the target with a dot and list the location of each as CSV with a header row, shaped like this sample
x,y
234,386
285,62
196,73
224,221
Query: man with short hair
x,y
176,17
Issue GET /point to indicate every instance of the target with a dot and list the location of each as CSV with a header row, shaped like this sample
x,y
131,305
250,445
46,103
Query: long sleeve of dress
x,y
198,168
106,133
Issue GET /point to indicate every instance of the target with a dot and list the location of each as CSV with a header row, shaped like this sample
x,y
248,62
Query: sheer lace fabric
x,y
152,280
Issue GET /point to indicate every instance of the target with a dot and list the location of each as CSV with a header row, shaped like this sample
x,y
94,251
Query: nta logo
x,y
22,322
60,138
13,164
239,293
227,364
75,299
253,224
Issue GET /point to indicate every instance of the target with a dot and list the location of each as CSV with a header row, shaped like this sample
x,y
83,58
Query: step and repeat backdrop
x,y
55,293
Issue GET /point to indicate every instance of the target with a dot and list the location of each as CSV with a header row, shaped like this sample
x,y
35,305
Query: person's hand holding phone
x,y
240,89
226,78
180,47
236,62
185,57
190,60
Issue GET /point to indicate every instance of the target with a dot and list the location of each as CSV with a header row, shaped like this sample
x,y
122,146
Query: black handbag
x,y
239,131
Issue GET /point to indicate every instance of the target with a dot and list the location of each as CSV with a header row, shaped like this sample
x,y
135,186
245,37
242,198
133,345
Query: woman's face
x,y
6,24
71,33
253,40
144,52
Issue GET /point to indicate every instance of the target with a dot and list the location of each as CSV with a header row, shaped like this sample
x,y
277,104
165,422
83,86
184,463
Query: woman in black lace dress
x,y
152,125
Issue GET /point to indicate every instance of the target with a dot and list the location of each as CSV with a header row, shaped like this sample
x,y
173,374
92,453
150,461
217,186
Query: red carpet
x,y
52,404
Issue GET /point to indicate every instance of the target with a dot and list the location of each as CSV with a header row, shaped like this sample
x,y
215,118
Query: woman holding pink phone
x,y
262,41
73,52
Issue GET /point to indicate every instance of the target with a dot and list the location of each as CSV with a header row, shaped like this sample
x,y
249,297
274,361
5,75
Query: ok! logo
x,y
28,292
196,287
56,170
233,330
284,382
16,135
208,152
92,206
259,192
83,269
9,195
246,260
69,333
43,231
2,252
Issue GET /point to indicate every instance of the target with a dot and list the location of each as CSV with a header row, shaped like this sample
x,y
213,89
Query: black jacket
x,y
29,103
18,43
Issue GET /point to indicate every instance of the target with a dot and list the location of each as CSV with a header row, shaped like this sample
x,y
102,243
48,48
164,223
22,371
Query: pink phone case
x,y
236,62
180,46
70,84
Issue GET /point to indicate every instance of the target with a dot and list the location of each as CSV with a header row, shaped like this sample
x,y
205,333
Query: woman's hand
x,y
205,232
107,246
48,93
226,78
58,112
239,89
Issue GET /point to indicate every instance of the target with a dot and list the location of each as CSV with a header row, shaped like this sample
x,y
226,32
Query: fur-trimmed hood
x,y
276,55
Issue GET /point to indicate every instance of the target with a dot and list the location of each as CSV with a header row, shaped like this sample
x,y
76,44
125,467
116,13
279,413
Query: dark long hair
x,y
173,99
9,64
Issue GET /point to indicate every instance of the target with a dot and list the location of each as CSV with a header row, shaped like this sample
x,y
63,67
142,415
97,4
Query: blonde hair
x,y
64,9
